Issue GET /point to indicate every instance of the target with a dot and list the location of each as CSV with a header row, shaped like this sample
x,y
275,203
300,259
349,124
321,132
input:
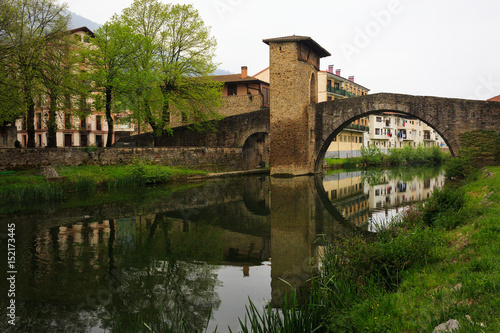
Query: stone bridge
x,y
301,129
449,117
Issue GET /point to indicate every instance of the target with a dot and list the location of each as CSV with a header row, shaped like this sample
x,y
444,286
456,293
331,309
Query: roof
x,y
235,78
301,39
495,99
84,29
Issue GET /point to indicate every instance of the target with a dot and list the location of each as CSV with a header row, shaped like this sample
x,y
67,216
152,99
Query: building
x,y
90,130
393,130
495,99
332,86
241,93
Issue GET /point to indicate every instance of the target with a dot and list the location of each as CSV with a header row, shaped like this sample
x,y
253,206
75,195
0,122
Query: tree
x,y
60,78
31,27
114,45
173,66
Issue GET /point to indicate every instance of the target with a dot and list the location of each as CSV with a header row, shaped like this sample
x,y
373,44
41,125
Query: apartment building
x,y
332,86
73,131
391,130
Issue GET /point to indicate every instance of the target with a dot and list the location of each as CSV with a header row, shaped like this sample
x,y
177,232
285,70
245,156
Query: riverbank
x,y
440,263
29,186
373,156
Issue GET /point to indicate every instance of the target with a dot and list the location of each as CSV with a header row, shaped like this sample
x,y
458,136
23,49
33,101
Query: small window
x,y
232,90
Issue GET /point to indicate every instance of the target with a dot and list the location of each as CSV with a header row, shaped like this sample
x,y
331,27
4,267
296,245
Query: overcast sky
x,y
420,47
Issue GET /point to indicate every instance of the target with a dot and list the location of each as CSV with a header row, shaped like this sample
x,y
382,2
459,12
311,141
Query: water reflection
x,y
193,254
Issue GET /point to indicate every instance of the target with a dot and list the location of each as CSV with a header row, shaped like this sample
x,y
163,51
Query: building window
x,y
98,123
67,121
267,95
377,131
83,140
379,119
83,123
38,121
232,90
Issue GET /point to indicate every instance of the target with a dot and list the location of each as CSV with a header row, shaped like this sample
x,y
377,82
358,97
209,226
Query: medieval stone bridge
x,y
449,117
300,129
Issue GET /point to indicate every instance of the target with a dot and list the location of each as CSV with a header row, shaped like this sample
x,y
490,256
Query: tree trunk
x,y
51,122
30,122
109,117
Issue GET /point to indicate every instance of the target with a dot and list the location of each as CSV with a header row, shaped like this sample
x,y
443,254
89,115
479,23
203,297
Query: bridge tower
x,y
293,66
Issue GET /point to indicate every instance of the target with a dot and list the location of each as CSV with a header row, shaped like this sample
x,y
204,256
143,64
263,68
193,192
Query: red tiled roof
x,y
235,78
495,99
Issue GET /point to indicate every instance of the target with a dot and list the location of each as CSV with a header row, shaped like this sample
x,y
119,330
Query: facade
x,y
332,86
241,93
91,130
391,130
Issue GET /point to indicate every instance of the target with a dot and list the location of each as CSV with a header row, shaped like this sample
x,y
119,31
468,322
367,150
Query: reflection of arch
x,y
256,151
323,196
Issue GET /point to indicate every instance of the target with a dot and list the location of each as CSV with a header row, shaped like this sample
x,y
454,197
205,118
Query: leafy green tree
x,y
171,71
60,78
114,46
31,27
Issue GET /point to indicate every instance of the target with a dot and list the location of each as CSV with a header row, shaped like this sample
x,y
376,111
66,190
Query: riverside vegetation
x,y
439,262
28,186
373,156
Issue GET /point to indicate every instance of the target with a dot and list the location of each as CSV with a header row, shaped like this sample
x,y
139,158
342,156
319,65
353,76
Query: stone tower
x,y
293,67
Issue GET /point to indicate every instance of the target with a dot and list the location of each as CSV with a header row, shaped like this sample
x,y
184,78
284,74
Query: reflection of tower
x,y
292,234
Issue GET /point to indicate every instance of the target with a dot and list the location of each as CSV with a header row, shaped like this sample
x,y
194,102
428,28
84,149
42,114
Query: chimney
x,y
330,69
351,78
337,72
244,72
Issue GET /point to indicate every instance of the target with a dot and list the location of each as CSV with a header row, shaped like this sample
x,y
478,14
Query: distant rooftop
x,y
303,39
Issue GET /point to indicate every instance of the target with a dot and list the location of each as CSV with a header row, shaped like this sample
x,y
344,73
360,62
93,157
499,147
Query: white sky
x,y
420,47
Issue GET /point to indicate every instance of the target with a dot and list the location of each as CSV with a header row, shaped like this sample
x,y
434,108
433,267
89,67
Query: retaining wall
x,y
201,158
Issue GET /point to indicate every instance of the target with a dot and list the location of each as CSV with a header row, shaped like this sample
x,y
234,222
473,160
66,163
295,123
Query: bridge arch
x,y
334,131
256,150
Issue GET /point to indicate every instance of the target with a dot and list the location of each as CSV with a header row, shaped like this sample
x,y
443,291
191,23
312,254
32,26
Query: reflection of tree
x,y
156,287
377,176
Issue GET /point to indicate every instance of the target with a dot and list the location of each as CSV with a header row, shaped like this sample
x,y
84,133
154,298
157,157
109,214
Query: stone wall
x,y
231,131
201,158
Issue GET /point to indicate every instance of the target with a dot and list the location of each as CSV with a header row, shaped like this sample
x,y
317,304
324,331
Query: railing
x,y
339,91
358,127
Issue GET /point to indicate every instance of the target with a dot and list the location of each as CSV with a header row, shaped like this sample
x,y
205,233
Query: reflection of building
x,y
391,193
346,191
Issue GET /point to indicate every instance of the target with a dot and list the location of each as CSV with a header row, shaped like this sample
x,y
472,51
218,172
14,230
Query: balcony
x,y
361,128
339,91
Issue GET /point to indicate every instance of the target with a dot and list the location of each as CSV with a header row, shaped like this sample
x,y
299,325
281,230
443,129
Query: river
x,y
194,253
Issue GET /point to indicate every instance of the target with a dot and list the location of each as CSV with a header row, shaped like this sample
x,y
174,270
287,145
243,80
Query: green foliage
x,y
443,208
371,155
169,71
30,44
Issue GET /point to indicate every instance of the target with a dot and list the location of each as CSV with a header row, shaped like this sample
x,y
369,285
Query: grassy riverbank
x,y
373,156
26,186
441,262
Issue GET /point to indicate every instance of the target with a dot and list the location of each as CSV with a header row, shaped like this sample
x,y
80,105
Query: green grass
x,y
29,186
441,262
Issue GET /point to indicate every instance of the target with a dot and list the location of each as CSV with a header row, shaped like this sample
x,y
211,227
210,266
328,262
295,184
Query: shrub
x,y
443,203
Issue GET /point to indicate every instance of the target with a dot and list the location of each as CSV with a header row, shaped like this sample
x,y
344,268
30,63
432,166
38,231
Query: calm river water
x,y
196,252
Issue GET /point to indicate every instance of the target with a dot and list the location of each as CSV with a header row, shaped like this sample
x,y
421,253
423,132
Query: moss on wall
x,y
481,147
